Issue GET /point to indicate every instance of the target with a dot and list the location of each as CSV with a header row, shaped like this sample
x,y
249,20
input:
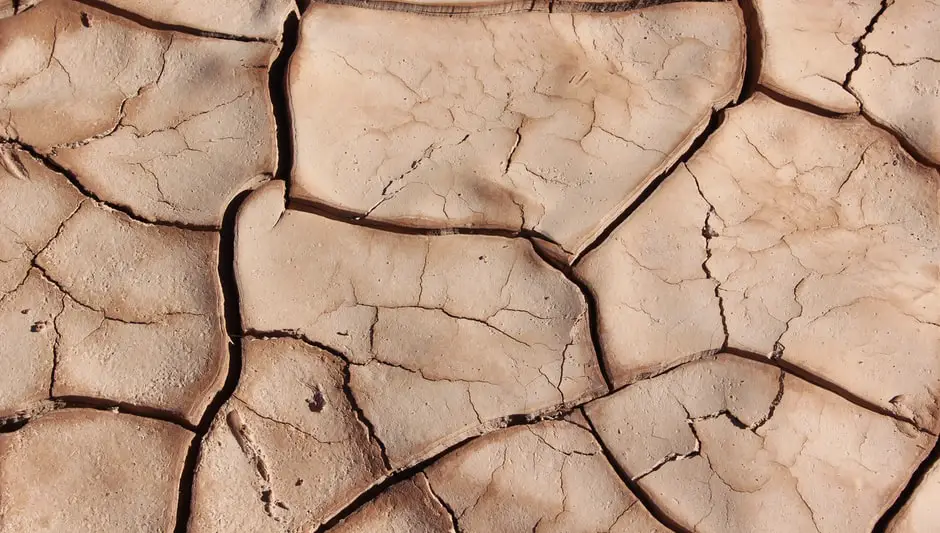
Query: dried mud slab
x,y
167,125
919,515
727,444
99,306
256,19
549,123
898,81
547,477
33,203
808,50
145,331
550,476
657,305
288,450
492,7
826,244
86,470
822,235
445,334
27,343
406,507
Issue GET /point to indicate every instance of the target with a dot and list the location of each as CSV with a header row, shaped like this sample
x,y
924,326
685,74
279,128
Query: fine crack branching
x,y
632,485
714,121
347,376
592,310
55,167
822,383
708,233
232,318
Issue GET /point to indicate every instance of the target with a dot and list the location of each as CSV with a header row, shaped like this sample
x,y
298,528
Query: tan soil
x,y
469,266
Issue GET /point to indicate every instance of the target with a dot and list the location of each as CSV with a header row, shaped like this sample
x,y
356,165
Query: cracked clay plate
x,y
547,266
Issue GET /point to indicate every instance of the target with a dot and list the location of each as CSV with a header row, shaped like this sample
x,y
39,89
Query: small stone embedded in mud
x,y
316,402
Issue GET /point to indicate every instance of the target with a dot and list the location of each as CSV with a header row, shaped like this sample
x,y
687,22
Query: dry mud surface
x,y
543,266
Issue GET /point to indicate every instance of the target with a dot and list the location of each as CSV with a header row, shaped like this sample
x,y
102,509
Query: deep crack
x,y
859,46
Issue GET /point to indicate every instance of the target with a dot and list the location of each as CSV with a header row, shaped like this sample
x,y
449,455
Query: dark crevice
x,y
163,26
860,52
15,421
280,101
754,33
817,381
634,487
454,521
568,6
799,104
859,44
908,147
358,219
362,418
54,166
405,473
347,377
747,6
551,413
13,424
593,312
708,233
714,122
233,329
931,459
84,402
380,487
781,388
277,87
499,8
786,368
59,403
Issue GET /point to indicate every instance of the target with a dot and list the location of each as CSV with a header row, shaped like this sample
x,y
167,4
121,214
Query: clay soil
x,y
552,266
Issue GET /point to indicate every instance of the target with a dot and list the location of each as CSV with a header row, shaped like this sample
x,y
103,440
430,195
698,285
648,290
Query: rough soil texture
x,y
87,470
542,266
728,444
549,123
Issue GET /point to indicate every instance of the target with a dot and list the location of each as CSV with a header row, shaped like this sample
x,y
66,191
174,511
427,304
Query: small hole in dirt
x,y
85,22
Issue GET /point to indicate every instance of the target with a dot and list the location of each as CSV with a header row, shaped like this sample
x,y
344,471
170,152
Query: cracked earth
x,y
538,266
